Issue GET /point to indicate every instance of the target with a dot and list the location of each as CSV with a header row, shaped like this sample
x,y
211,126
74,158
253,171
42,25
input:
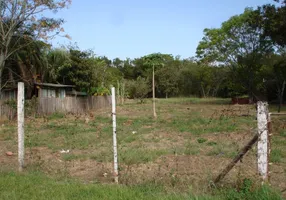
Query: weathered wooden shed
x,y
53,90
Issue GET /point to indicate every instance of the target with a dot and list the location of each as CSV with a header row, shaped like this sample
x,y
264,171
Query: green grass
x,y
191,149
61,136
278,140
71,156
194,126
211,143
194,100
228,150
56,116
201,125
8,132
36,186
202,140
262,193
276,155
105,155
283,133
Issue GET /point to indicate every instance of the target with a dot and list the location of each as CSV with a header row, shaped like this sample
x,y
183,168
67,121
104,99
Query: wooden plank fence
x,y
6,111
75,105
72,104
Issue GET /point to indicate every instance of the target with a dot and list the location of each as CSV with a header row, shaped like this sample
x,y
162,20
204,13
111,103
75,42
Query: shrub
x,y
138,89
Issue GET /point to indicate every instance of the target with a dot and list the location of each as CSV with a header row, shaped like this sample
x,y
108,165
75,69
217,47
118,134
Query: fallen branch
x,y
241,153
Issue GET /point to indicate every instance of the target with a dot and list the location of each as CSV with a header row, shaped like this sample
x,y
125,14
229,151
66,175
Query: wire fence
x,y
190,155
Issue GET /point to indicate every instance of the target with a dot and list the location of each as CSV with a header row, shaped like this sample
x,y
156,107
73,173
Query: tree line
x,y
246,55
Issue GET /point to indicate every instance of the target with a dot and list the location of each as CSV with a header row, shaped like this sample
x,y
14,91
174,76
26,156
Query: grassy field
x,y
175,156
34,186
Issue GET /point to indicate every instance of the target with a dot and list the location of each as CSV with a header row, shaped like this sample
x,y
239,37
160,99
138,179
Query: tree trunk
x,y
2,64
208,92
203,90
153,83
123,92
1,83
118,91
250,98
281,96
28,79
216,90
11,78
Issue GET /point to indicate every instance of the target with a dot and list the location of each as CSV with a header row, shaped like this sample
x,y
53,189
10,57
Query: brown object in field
x,y
242,100
128,122
9,153
241,153
91,114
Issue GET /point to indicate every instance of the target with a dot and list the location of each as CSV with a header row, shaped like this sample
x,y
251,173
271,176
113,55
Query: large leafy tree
x,y
274,22
167,80
80,70
280,79
274,72
274,25
86,71
167,77
57,59
240,44
127,69
26,64
188,84
21,18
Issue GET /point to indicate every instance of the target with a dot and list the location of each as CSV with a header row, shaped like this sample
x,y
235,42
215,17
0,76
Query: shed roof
x,y
54,85
9,89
